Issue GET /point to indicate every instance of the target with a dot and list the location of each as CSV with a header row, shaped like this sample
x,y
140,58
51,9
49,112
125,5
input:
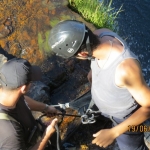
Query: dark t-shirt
x,y
13,135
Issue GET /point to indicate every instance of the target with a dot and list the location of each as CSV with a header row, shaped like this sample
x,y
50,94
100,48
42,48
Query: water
x,y
134,23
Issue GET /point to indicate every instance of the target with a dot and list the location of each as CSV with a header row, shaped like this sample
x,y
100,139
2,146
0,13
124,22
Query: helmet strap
x,y
88,48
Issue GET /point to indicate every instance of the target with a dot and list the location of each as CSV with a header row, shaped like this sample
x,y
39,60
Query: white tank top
x,y
109,98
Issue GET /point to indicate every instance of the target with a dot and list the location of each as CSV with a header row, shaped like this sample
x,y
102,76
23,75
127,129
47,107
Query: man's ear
x,y
23,89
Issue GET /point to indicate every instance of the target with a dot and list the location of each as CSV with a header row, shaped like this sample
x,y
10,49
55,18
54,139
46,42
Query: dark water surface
x,y
134,26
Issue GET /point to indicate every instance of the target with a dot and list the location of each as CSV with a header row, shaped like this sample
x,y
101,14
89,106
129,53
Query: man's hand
x,y
89,76
104,138
41,144
52,111
51,127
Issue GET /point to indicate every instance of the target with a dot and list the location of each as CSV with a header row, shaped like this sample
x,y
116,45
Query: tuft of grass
x,y
96,12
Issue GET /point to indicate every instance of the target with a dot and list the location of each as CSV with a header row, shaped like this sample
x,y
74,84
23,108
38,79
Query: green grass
x,y
100,14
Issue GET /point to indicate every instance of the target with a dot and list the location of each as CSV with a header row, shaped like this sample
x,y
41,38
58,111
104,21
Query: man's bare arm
x,y
130,77
39,106
40,145
133,80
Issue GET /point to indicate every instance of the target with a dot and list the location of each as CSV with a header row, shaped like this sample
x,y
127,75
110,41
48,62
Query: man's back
x,y
15,134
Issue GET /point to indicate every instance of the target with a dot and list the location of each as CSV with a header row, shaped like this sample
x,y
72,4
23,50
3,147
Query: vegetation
x,y
97,12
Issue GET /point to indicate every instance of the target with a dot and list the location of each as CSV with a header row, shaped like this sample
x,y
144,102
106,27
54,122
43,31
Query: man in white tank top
x,y
118,87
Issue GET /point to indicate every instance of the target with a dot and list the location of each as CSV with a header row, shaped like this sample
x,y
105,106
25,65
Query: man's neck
x,y
102,51
9,98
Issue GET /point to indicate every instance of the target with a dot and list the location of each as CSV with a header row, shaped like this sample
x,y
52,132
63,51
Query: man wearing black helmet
x,y
118,87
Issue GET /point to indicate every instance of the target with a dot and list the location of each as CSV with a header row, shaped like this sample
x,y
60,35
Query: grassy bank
x,y
101,14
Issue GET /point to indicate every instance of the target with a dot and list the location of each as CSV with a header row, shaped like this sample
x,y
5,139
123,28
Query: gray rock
x,y
39,92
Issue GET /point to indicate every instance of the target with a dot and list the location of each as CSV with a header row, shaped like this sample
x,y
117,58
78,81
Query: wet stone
x,y
39,92
5,31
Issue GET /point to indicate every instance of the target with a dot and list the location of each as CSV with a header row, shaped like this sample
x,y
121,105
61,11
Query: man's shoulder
x,y
129,65
8,125
7,129
127,71
11,132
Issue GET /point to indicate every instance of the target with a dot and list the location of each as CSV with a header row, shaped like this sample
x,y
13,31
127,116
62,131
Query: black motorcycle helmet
x,y
66,38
